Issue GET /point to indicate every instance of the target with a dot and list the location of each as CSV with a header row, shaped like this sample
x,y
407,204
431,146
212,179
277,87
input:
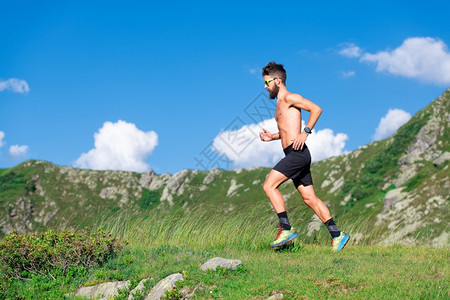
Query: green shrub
x,y
11,180
149,199
53,254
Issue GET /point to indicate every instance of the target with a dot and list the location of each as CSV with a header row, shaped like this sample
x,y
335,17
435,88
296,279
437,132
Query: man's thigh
x,y
275,179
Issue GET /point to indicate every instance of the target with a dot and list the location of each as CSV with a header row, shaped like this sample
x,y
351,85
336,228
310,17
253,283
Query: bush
x,y
53,254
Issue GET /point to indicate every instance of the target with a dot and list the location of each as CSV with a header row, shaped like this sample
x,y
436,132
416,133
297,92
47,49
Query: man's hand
x,y
299,141
265,136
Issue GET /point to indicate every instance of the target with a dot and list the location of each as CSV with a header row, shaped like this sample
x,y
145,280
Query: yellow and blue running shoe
x,y
284,236
338,243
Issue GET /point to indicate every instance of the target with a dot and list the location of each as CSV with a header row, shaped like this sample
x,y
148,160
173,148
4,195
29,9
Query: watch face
x,y
307,130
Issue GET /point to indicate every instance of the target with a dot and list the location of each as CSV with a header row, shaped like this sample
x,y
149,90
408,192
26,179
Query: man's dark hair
x,y
275,70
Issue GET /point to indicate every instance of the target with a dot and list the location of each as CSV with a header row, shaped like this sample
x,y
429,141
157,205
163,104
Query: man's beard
x,y
273,94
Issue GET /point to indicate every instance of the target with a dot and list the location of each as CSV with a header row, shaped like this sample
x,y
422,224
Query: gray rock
x,y
176,181
152,181
147,178
211,176
441,159
159,182
213,263
406,172
424,147
139,288
337,184
107,289
164,285
109,192
392,197
314,225
232,191
442,241
166,196
276,296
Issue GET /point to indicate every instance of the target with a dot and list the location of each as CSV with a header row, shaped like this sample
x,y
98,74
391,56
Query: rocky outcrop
x,y
276,295
153,182
164,285
47,212
175,185
37,195
177,182
392,197
147,179
410,206
441,159
232,190
139,288
107,290
314,225
211,176
215,262
21,214
425,146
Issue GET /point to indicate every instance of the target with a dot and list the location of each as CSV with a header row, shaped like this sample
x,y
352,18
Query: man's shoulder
x,y
293,97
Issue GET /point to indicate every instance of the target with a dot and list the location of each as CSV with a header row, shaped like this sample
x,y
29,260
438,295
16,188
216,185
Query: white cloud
x,y
324,144
15,85
2,135
348,73
119,146
350,50
390,123
18,152
245,149
424,58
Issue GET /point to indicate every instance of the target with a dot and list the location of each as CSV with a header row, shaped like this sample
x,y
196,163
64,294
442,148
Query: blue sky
x,y
160,83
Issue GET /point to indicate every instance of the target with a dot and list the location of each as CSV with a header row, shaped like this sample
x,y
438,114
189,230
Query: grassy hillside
x,y
392,191
180,243
395,191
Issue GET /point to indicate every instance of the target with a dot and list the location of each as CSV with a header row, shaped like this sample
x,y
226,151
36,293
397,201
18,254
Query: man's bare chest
x,y
284,112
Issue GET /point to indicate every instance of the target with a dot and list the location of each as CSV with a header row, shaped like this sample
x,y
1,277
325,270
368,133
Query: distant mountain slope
x,y
393,191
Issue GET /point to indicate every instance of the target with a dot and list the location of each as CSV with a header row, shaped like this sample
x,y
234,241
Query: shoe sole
x,y
284,242
348,239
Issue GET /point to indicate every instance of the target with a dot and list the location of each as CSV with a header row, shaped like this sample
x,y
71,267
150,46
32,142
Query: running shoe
x,y
338,243
280,230
284,237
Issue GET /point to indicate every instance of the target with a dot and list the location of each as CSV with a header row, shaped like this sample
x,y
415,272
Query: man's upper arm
x,y
298,101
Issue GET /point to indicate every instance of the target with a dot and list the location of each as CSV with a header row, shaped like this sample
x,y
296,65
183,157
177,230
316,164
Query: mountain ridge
x,y
398,185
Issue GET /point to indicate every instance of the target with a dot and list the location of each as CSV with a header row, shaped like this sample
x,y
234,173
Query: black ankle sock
x,y
332,228
284,221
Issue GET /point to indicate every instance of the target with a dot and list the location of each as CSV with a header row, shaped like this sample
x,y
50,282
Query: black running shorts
x,y
296,165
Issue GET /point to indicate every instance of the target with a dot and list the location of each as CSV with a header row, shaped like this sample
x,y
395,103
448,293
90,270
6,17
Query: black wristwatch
x,y
307,130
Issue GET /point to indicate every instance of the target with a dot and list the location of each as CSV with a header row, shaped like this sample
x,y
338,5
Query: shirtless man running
x,y
296,164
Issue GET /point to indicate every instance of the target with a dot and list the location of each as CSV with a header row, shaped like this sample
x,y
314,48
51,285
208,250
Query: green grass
x,y
163,241
160,246
180,243
313,272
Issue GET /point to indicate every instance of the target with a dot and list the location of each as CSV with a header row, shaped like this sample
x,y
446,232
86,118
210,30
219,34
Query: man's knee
x,y
310,199
273,181
270,185
267,186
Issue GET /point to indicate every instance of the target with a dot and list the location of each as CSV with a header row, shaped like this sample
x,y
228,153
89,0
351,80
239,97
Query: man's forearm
x,y
276,136
313,117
